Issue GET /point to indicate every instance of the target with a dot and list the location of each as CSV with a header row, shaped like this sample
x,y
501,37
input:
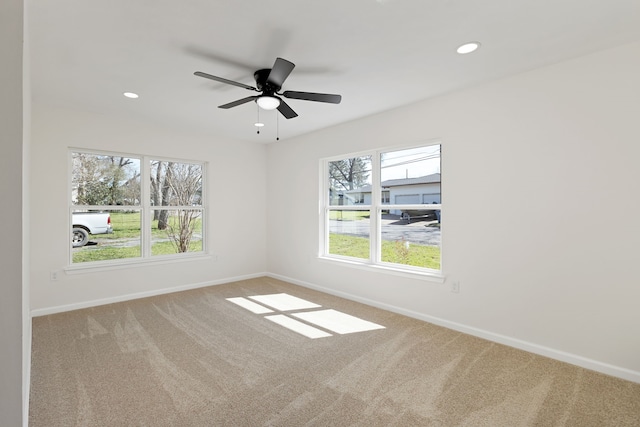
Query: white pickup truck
x,y
85,223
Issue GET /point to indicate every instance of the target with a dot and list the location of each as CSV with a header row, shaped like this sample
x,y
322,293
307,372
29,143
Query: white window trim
x,y
430,276
145,209
374,262
97,266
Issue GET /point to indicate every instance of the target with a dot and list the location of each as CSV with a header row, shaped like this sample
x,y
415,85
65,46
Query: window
x,y
383,208
385,197
134,207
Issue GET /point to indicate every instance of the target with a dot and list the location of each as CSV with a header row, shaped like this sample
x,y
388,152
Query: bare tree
x,y
349,174
181,232
165,196
105,180
156,184
177,184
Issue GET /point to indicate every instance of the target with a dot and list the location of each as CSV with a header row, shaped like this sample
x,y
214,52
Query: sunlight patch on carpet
x,y
338,322
296,326
327,319
284,302
250,305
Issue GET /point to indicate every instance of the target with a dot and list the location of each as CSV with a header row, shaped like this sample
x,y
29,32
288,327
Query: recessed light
x,y
130,95
468,48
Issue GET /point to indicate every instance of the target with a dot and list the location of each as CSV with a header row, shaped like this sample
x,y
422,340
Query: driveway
x,y
419,232
97,242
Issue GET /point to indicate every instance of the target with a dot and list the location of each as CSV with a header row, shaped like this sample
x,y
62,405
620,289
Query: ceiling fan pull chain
x,y
258,121
277,127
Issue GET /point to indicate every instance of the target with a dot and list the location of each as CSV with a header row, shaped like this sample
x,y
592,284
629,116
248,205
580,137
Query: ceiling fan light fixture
x,y
267,102
468,48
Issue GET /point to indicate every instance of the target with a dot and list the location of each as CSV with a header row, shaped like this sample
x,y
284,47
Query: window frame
x,y
144,207
375,208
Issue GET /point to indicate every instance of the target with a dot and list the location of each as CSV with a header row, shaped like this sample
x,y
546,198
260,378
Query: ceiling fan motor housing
x,y
262,84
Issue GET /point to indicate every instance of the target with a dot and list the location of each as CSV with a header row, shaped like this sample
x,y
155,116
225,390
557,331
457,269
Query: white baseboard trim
x,y
573,359
138,295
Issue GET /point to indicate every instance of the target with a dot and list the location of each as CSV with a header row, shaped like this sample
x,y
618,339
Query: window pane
x,y
350,181
175,184
414,240
176,231
107,235
411,176
349,233
105,180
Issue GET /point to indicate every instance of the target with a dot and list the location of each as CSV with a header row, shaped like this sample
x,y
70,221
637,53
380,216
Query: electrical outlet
x,y
54,276
455,287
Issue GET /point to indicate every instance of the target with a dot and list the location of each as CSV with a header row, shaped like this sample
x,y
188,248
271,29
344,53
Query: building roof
x,y
434,178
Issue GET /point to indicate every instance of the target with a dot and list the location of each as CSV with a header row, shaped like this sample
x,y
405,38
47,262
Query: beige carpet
x,y
196,359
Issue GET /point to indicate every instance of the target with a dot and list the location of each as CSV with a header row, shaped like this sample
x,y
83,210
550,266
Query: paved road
x,y
420,232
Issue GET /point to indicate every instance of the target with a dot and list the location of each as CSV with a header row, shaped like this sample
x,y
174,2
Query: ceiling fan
x,y
269,81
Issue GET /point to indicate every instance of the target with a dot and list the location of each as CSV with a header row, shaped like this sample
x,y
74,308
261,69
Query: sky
x,y
410,163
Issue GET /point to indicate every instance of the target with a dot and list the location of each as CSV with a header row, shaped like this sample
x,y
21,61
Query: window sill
x,y
435,277
99,266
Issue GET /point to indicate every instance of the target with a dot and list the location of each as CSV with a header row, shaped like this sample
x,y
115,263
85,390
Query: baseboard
x,y
138,295
562,356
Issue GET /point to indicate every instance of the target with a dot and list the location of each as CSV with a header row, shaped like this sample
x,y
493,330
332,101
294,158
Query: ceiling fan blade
x,y
286,111
310,96
221,80
280,71
238,102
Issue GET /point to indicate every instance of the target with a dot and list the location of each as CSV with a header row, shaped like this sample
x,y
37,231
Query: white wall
x,y
237,236
11,282
540,187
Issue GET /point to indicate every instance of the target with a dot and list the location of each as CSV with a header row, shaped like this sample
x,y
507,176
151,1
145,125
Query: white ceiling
x,y
378,54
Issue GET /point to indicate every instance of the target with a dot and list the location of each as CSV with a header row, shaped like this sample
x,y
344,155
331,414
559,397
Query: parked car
x,y
85,223
423,215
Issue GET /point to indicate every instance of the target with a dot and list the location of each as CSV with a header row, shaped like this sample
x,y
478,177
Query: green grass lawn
x,y
104,253
127,225
166,248
394,252
349,215
109,252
